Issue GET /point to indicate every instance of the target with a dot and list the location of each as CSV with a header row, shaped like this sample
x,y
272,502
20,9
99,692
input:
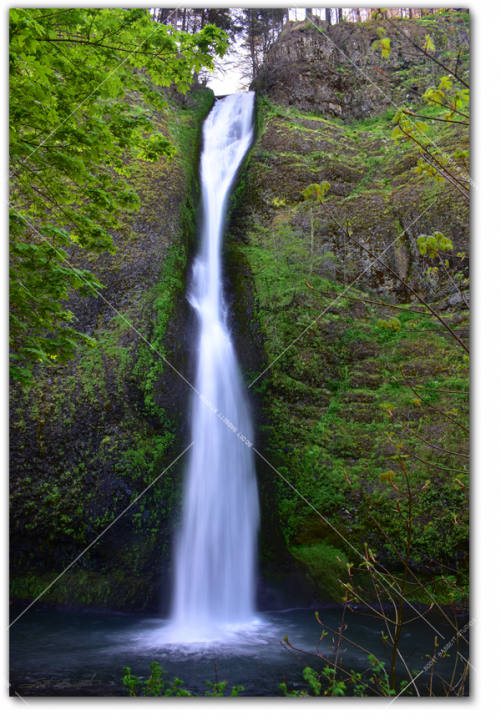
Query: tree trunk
x,y
308,12
252,44
328,16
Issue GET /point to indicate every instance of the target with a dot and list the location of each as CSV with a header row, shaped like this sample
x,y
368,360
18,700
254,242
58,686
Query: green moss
x,y
332,375
83,589
327,566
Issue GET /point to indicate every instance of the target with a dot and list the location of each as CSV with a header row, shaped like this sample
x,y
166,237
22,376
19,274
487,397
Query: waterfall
x,y
215,554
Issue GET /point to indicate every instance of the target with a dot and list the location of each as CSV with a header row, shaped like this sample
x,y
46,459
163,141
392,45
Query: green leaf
x,y
70,189
446,82
429,45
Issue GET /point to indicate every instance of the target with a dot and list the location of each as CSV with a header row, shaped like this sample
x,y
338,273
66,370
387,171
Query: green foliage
x,y
325,422
155,685
217,689
286,259
150,364
431,244
383,43
380,676
392,324
137,444
324,683
81,588
429,45
440,511
318,190
82,102
452,95
327,565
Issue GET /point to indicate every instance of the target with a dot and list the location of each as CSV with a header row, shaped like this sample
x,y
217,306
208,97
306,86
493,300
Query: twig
x,y
435,447
371,302
437,102
442,170
452,280
414,292
449,392
426,462
397,553
445,286
451,72
427,117
439,563
435,645
341,627
305,652
432,406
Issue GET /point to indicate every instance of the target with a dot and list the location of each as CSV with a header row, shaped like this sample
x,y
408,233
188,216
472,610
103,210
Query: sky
x,y
231,81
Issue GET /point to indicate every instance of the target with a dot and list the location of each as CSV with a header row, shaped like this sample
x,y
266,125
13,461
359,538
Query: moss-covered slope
x,y
334,368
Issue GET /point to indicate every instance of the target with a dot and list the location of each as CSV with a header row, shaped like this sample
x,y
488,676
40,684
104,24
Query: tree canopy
x,y
84,84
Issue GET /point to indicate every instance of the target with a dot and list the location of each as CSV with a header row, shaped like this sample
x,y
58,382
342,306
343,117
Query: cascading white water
x,y
214,571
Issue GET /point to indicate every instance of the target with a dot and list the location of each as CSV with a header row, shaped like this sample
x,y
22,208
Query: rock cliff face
x,y
337,331
89,437
372,185
336,71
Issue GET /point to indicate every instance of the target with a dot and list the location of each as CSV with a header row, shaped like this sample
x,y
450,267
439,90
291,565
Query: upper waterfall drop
x,y
216,548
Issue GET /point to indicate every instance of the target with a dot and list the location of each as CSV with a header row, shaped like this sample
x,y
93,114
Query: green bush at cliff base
x,y
155,685
323,683
327,565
